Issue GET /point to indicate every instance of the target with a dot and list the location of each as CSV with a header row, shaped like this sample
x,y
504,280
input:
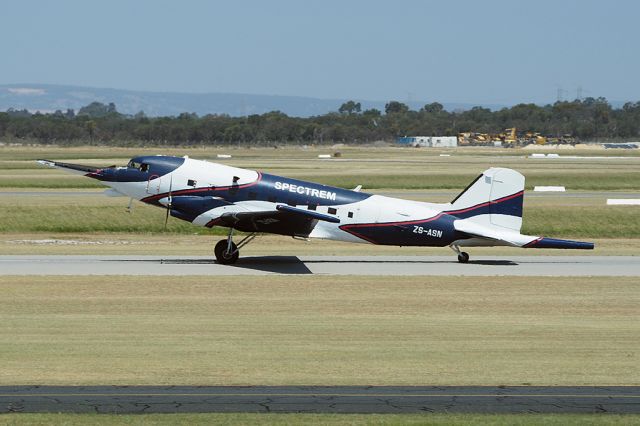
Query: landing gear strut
x,y
227,252
463,256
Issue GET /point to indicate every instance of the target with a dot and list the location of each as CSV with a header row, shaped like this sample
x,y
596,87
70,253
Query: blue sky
x,y
452,51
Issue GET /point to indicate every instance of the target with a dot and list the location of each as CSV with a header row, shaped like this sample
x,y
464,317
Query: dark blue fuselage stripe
x,y
265,188
510,205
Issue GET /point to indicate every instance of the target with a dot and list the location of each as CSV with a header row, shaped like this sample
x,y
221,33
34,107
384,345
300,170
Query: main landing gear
x,y
227,252
463,256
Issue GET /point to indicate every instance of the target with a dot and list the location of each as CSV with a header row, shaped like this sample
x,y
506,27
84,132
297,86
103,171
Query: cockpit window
x,y
143,167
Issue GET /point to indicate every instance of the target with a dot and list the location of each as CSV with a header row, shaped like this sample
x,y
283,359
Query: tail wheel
x,y
223,256
463,257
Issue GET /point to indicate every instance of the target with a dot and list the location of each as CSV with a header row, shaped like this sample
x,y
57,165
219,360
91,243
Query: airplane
x,y
486,213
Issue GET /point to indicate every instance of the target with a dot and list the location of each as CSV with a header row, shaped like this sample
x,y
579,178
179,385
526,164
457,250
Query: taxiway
x,y
322,265
320,399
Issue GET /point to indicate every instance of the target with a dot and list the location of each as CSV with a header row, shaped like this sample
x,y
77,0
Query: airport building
x,y
429,141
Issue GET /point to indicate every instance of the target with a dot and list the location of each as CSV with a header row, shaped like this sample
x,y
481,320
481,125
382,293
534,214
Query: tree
x,y
350,107
433,107
395,107
98,109
91,128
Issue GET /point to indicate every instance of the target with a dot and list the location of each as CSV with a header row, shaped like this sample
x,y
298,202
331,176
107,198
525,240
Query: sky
x,y
489,51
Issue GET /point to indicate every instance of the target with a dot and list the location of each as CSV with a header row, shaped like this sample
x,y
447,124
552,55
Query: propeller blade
x,y
169,199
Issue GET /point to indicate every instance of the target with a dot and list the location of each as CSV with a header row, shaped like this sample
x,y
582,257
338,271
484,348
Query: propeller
x,y
169,200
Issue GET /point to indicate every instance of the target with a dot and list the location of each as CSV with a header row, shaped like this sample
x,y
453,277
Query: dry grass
x,y
319,330
372,167
265,245
555,216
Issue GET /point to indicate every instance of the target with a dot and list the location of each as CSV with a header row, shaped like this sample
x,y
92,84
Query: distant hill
x,y
48,98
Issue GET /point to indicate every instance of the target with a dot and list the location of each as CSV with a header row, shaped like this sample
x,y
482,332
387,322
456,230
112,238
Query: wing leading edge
x,y
285,220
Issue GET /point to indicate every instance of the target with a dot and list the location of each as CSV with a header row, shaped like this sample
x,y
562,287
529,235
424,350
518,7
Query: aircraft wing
x,y
283,220
73,168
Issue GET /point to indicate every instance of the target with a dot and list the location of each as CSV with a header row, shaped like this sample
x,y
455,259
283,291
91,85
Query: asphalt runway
x,y
319,399
322,265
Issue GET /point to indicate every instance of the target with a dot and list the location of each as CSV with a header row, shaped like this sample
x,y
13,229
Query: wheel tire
x,y
221,253
463,257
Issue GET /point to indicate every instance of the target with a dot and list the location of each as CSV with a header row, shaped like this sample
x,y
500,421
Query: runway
x,y
319,399
323,265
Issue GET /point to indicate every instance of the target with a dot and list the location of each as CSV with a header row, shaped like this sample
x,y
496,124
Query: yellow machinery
x,y
510,136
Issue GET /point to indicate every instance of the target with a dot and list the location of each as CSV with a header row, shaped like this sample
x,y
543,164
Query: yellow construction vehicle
x,y
541,140
511,136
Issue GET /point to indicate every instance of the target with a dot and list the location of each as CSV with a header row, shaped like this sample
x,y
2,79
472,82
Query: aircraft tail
x,y
493,199
491,208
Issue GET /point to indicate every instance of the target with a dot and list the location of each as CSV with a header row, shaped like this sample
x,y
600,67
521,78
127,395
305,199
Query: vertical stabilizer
x,y
493,199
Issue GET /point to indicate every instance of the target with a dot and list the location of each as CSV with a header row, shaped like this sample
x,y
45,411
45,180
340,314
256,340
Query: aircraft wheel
x,y
463,257
221,253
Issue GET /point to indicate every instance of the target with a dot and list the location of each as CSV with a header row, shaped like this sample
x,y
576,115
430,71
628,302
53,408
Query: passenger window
x,y
350,214
191,182
312,206
144,168
331,210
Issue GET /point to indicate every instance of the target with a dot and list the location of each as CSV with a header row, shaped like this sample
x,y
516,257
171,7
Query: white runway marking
x,y
323,265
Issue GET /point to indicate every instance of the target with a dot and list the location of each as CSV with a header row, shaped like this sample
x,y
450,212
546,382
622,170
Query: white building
x,y
430,141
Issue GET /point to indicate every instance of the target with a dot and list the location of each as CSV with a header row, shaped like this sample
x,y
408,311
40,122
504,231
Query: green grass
x,y
618,181
88,214
321,419
576,218
290,330
584,222
586,181
49,183
374,168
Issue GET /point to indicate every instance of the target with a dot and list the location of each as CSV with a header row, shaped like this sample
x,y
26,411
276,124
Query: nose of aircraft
x,y
139,169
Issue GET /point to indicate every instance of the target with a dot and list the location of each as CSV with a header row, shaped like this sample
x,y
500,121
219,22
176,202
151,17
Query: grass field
x,y
555,216
405,170
165,244
315,330
392,179
321,419
374,168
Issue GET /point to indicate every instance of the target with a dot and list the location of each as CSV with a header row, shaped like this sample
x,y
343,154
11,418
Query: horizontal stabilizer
x,y
552,243
516,239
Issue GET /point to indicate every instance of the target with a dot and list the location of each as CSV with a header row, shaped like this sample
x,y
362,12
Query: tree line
x,y
588,119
